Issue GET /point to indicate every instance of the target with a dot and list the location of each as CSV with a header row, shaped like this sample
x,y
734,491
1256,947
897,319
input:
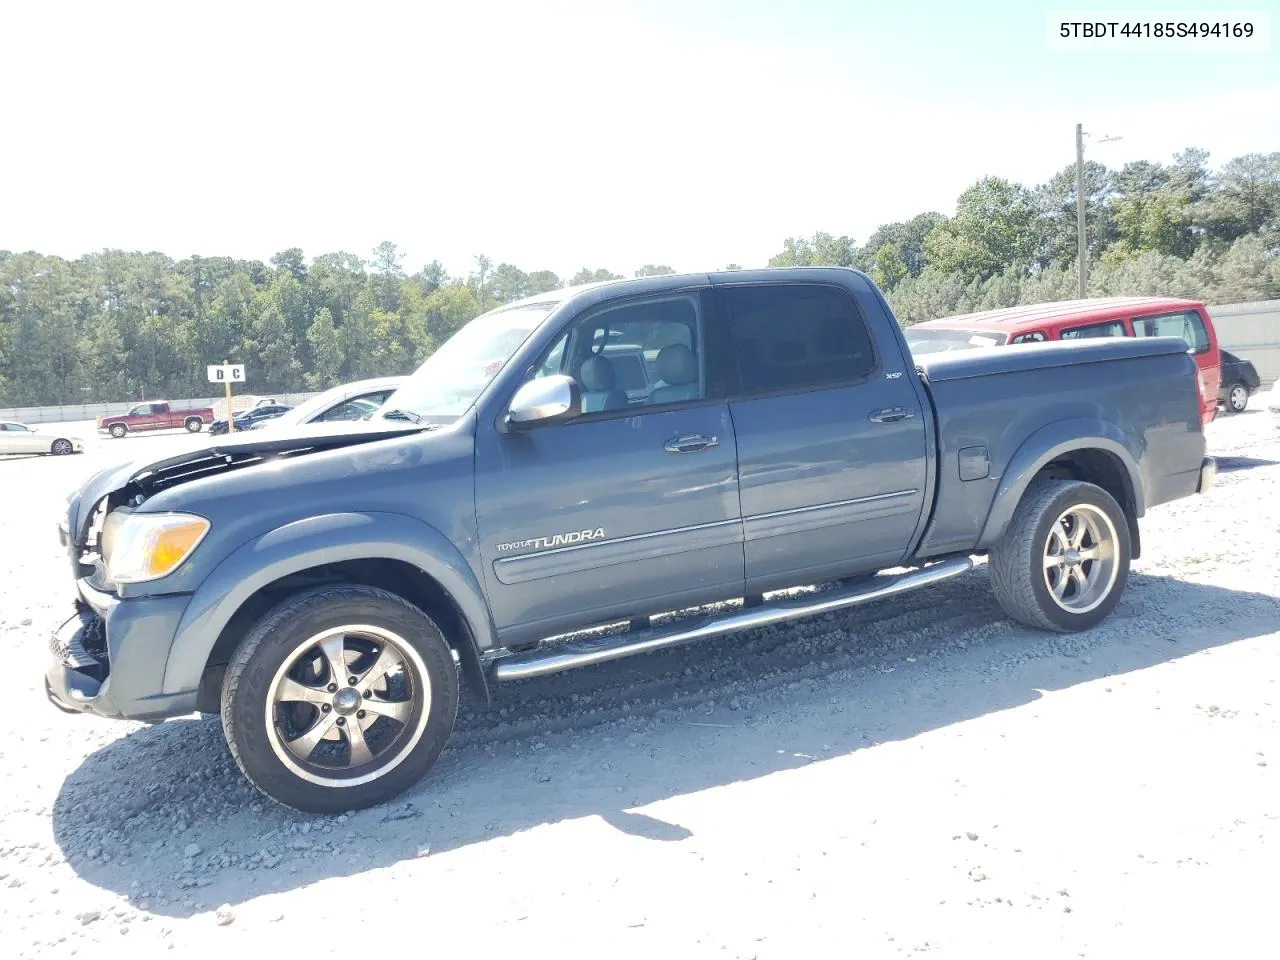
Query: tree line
x,y
1176,229
118,325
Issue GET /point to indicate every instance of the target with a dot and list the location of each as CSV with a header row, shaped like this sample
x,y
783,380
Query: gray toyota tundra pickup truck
x,y
568,468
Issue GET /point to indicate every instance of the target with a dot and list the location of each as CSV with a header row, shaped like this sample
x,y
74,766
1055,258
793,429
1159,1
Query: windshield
x,y
449,381
941,340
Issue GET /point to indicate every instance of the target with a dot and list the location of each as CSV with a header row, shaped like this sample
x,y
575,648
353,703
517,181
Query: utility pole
x,y
1082,251
231,417
1082,246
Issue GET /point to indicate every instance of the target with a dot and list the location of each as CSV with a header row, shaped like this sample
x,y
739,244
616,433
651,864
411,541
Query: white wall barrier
x,y
73,412
1252,332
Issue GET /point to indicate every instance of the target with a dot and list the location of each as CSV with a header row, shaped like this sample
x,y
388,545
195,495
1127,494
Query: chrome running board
x,y
580,653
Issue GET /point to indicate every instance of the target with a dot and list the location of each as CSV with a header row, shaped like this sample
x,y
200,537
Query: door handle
x,y
690,443
890,415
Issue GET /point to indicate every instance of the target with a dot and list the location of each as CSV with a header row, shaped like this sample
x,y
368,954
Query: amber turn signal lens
x,y
172,545
147,546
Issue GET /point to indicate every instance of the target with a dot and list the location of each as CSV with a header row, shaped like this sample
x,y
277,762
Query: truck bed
x,y
997,410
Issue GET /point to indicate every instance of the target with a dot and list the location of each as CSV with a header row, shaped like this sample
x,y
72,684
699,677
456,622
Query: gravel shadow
x,y
163,815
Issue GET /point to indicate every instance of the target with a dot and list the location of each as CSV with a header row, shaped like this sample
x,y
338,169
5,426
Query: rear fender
x,y
1047,444
314,542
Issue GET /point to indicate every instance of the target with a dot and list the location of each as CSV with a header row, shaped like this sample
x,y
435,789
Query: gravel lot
x,y
919,776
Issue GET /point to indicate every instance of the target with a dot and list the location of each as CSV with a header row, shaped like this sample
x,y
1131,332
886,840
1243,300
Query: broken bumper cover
x,y
109,658
1208,471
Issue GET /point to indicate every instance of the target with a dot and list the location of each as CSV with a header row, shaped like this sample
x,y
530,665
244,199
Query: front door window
x,y
643,354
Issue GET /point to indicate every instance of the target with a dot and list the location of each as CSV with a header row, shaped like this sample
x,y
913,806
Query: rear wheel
x,y
340,698
60,447
194,424
118,430
1064,561
1238,397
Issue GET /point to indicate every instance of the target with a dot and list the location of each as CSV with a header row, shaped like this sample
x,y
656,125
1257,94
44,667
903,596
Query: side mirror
x,y
545,400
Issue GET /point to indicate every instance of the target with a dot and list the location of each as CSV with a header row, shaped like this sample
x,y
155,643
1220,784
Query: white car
x,y
19,438
351,401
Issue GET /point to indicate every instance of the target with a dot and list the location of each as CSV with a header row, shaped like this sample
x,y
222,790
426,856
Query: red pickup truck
x,y
155,415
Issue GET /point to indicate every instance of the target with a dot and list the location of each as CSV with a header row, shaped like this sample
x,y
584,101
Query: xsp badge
x,y
558,540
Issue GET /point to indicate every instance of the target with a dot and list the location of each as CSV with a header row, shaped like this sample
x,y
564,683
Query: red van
x,y
1075,319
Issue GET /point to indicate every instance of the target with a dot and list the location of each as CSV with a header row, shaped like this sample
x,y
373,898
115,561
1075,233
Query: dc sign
x,y
226,373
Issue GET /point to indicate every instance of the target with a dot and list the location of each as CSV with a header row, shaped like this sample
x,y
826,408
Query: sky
x,y
560,134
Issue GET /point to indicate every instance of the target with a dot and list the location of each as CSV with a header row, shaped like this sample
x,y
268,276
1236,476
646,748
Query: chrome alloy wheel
x,y
348,705
1080,558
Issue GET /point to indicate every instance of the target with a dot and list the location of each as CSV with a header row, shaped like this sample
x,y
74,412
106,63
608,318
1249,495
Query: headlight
x,y
147,546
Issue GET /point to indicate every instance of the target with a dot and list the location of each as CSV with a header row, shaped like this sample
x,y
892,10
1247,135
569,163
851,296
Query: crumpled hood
x,y
146,476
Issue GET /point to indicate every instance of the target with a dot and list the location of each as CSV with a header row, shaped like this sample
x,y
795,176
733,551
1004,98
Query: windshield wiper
x,y
399,414
414,418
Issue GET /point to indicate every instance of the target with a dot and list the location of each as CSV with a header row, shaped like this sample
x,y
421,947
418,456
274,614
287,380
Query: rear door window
x,y
797,336
347,410
1185,324
1033,336
1112,328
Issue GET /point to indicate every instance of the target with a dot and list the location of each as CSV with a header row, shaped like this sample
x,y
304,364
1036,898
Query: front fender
x,y
313,542
1049,442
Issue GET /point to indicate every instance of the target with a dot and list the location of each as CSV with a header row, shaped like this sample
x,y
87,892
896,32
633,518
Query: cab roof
x,y
1092,310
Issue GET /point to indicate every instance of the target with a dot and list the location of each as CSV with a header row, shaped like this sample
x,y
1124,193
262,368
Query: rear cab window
x,y
797,336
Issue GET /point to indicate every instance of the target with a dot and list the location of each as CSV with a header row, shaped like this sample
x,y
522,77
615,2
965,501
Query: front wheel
x,y
1238,397
339,698
1063,563
118,430
61,447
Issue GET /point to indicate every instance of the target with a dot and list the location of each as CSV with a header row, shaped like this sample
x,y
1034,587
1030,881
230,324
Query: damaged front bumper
x,y
78,665
109,657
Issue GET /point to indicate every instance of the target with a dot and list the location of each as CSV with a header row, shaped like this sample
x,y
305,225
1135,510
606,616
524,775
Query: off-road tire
x,y
274,638
1016,562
